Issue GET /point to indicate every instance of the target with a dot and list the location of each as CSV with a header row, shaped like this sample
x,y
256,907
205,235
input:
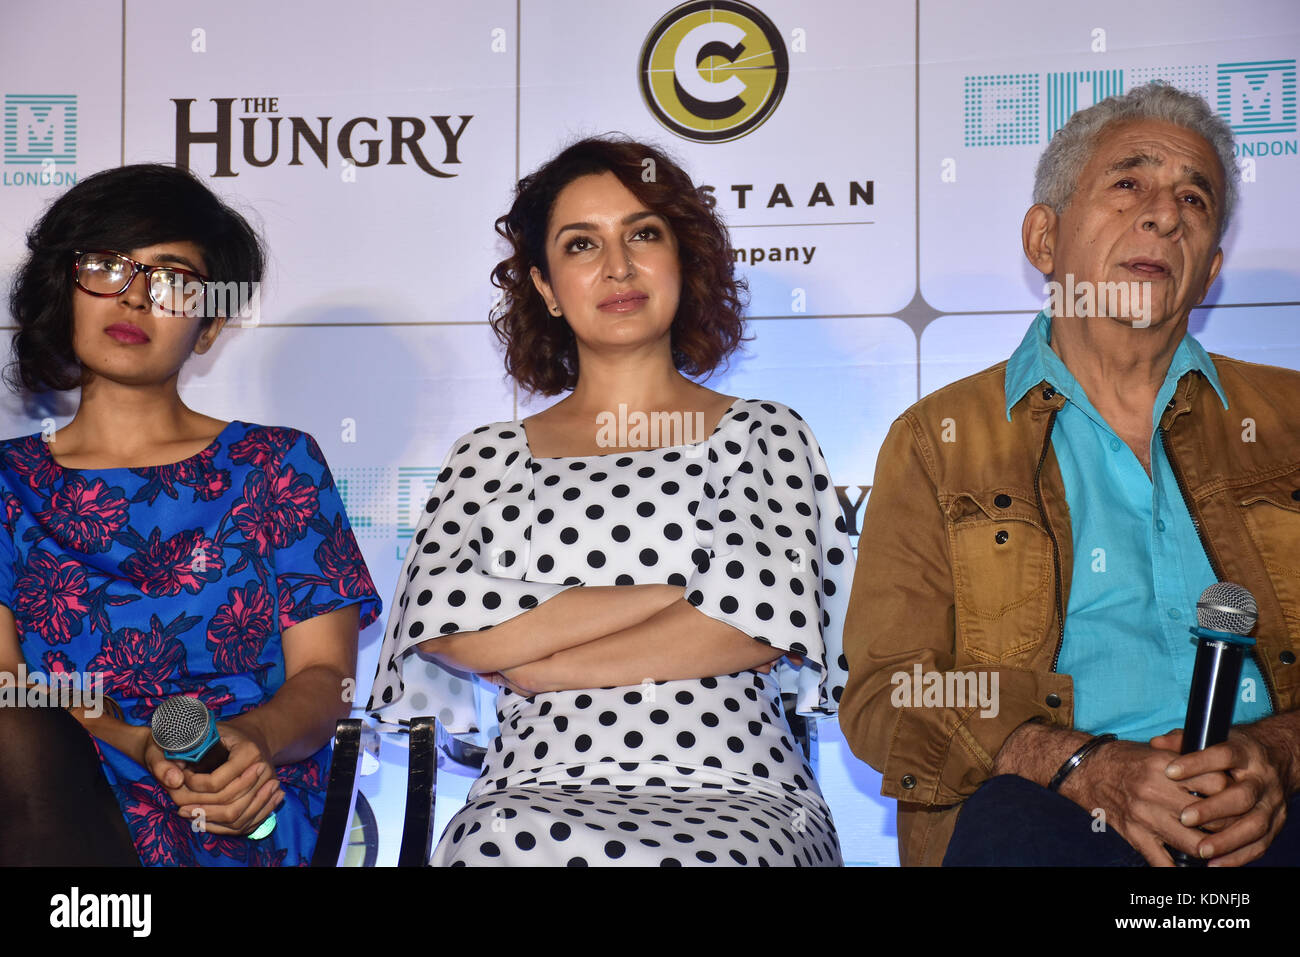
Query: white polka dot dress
x,y
668,773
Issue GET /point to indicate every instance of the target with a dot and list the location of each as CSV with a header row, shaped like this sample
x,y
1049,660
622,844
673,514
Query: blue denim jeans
x,y
1013,822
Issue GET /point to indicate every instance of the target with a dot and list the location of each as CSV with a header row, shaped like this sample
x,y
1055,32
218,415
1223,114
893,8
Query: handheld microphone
x,y
183,727
1225,616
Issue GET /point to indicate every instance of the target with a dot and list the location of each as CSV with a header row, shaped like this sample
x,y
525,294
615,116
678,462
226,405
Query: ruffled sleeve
x,y
773,556
464,571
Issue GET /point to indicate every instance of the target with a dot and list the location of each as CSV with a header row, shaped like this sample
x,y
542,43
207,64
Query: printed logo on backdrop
x,y
40,139
368,501
713,70
415,484
1257,99
1068,92
366,492
264,136
1002,109
1197,78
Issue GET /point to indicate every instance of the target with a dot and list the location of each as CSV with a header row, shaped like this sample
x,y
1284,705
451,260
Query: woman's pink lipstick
x,y
623,302
127,333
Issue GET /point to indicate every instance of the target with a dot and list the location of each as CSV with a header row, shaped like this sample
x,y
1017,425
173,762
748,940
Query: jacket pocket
x,y
1271,513
1002,575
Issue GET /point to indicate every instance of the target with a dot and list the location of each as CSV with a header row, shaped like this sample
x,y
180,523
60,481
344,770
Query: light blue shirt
x,y
1139,565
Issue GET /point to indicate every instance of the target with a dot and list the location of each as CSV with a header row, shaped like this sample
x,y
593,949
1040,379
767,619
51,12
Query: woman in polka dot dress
x,y
636,594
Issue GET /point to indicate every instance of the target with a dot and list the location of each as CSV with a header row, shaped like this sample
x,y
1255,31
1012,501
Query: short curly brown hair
x,y
541,353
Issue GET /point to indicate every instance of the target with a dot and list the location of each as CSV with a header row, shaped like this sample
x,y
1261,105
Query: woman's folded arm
x,y
678,642
572,618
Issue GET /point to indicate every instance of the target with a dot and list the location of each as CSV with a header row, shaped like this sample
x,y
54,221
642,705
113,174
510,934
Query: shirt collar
x,y
1034,362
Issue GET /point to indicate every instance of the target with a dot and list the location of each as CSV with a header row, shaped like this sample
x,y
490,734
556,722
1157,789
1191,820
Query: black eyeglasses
x,y
107,273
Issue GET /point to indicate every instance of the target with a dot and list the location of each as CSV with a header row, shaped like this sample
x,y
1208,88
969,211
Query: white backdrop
x,y
373,333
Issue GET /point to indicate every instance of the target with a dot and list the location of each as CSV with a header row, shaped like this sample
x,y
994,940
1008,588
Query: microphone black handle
x,y
210,759
1216,680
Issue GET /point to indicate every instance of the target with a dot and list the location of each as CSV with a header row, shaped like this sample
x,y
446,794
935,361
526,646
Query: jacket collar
x,y
1034,363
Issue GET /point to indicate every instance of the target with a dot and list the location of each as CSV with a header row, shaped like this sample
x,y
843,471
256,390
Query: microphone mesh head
x,y
180,723
1227,607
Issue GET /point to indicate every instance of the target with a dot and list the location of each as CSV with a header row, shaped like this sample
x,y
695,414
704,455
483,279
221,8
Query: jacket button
x,y
908,782
1296,495
1287,657
1004,501
1049,393
1053,700
1001,537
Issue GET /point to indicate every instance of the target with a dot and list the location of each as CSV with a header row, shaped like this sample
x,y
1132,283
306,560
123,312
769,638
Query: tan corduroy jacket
x,y
965,560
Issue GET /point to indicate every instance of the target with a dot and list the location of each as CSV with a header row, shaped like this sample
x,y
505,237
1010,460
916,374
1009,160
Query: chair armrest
x,y
421,792
803,728
339,795
464,753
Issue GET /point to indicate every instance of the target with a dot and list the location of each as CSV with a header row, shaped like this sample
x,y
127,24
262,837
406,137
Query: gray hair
x,y
1062,163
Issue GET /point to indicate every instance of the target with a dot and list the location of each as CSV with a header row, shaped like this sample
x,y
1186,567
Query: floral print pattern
x,y
180,579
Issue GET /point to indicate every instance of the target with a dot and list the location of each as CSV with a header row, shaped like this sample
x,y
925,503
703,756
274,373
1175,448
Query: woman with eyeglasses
x,y
632,565
148,550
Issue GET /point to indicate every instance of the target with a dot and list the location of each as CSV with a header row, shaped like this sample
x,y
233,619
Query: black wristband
x,y
1076,759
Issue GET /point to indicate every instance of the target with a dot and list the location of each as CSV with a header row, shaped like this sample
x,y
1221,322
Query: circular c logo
x,y
713,70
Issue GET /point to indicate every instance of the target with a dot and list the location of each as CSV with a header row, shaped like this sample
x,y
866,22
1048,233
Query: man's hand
x,y
236,797
1248,812
1142,801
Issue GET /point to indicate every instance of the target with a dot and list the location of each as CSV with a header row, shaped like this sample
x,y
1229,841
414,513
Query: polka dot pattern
x,y
748,525
607,776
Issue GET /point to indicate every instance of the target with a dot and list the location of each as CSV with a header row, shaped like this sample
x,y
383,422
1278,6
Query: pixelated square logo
x,y
1076,90
1002,109
1192,78
1258,96
40,129
415,485
365,493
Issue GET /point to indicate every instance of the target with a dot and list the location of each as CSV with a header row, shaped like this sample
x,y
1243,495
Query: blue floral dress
x,y
178,579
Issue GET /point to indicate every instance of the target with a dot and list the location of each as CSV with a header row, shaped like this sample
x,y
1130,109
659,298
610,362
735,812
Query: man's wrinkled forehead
x,y
1142,158
1134,146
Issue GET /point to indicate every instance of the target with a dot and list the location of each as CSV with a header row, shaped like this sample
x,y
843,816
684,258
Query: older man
x,y
1043,529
